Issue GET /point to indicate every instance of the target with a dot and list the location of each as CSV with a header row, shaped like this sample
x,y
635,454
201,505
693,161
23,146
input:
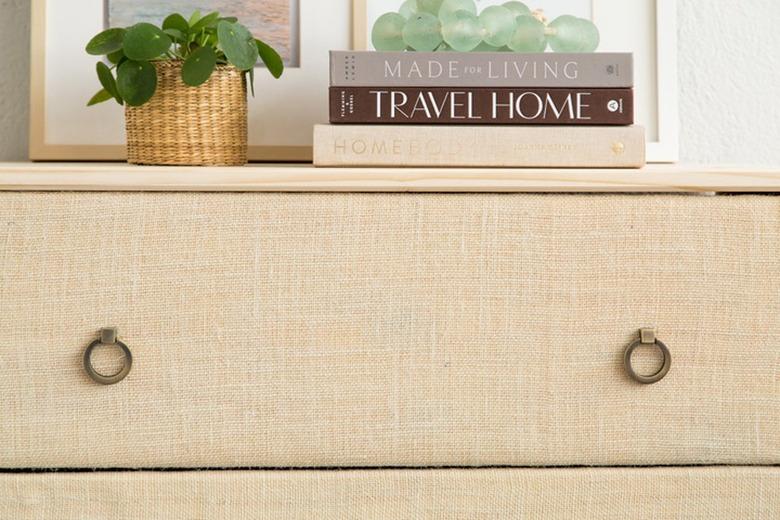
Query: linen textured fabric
x,y
647,493
365,330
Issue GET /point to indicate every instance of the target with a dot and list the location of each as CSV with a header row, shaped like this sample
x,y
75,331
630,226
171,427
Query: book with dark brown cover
x,y
509,106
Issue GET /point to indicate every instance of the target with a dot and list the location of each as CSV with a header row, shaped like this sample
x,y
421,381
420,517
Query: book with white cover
x,y
480,146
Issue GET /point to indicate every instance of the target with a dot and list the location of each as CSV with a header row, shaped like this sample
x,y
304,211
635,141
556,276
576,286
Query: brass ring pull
x,y
647,337
108,336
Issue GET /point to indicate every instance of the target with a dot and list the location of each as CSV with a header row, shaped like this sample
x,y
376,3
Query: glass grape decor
x,y
455,25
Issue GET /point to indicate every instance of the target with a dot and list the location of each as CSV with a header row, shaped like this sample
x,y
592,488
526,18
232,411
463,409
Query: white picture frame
x,y
281,115
648,28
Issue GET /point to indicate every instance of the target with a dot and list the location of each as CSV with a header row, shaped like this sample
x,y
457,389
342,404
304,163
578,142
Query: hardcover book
x,y
481,69
480,146
481,106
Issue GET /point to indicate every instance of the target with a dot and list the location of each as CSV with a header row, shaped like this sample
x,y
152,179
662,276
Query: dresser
x,y
290,342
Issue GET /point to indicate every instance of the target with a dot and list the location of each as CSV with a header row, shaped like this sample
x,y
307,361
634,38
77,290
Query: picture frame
x,y
648,28
281,115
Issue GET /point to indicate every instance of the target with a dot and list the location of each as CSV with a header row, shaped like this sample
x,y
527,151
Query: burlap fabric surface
x,y
286,330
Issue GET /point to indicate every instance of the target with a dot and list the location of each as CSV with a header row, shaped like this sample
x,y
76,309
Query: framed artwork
x,y
281,114
648,28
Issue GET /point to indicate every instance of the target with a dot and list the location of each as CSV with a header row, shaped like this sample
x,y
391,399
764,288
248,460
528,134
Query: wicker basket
x,y
183,125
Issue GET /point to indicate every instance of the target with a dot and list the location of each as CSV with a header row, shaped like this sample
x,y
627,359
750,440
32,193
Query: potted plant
x,y
183,86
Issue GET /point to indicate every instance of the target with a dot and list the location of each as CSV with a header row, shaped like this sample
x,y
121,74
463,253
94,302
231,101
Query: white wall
x,y
729,71
729,60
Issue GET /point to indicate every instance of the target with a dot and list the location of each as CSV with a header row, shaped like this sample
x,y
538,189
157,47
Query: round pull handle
x,y
647,337
108,336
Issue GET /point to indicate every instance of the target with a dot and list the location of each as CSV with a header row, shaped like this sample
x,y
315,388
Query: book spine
x,y
472,106
480,146
481,69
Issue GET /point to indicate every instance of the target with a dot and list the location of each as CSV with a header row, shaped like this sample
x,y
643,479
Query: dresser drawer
x,y
314,330
651,493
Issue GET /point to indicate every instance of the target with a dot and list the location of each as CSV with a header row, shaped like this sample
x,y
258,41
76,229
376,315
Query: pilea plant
x,y
200,43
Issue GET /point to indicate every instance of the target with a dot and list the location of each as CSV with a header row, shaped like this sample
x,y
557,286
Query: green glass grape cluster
x,y
442,25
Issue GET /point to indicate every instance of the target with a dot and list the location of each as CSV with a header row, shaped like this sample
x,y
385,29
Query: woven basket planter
x,y
183,125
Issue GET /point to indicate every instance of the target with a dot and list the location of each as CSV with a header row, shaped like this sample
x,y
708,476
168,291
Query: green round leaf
x,y
116,57
106,42
271,58
198,66
176,21
136,82
211,39
238,45
144,41
207,21
107,80
100,97
176,34
251,74
194,17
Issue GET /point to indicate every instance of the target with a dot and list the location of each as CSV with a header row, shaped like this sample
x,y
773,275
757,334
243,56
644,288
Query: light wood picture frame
x,y
648,28
281,115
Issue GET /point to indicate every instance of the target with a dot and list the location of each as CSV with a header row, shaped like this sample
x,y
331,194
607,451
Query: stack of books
x,y
480,109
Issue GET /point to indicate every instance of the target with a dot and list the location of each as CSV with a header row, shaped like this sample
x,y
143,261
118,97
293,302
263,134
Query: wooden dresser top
x,y
304,177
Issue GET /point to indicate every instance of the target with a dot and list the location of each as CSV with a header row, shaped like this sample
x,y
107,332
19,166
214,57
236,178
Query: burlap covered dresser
x,y
384,344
